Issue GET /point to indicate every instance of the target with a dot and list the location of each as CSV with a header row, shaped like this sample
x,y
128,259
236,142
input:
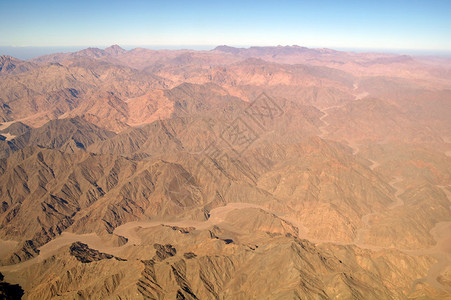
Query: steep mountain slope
x,y
46,191
65,134
377,120
51,90
10,65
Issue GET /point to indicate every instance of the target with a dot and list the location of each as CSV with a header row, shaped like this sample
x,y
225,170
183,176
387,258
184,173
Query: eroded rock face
x,y
189,255
164,251
27,251
85,254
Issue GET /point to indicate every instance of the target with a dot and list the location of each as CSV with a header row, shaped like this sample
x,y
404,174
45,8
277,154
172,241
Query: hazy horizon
x,y
30,52
388,25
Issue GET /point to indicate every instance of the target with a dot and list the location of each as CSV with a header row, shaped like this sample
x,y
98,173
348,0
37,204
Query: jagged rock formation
x,y
86,255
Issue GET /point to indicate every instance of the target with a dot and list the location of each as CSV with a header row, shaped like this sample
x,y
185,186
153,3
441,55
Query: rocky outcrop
x,y
85,254
10,291
164,251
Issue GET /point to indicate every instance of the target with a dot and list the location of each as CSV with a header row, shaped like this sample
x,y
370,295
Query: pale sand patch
x,y
5,125
7,247
8,136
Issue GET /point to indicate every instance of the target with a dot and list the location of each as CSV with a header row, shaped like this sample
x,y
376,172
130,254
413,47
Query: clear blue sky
x,y
340,24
